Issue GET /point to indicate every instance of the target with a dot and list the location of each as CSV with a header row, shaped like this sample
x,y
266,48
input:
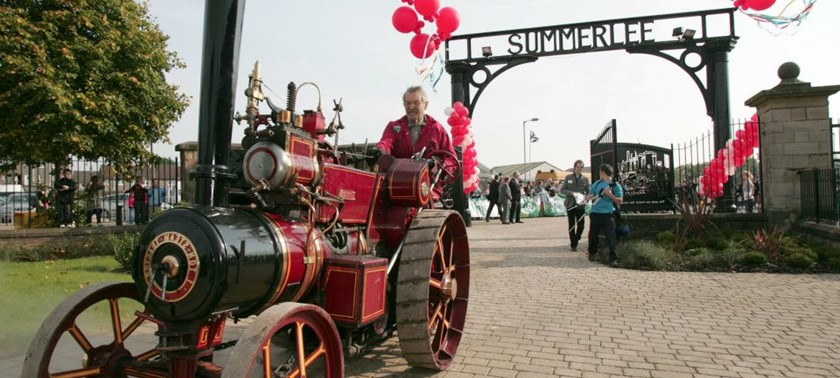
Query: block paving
x,y
539,310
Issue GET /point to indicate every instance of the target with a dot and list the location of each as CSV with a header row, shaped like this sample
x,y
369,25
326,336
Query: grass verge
x,y
31,290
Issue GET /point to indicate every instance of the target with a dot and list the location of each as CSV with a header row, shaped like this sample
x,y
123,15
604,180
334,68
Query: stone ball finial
x,y
789,72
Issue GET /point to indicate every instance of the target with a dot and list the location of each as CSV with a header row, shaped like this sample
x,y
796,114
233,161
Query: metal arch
x,y
483,67
692,72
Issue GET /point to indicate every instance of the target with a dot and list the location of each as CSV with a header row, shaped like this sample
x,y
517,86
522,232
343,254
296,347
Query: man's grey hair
x,y
417,88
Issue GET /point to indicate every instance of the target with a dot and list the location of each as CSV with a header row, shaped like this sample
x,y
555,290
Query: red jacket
x,y
396,139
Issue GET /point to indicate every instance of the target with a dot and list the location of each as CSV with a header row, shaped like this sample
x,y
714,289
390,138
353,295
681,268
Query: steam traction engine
x,y
331,258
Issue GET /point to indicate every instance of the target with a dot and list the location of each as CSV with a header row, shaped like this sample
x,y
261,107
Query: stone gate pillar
x,y
189,159
795,134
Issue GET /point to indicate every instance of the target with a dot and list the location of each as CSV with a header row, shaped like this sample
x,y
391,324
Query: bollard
x,y
119,215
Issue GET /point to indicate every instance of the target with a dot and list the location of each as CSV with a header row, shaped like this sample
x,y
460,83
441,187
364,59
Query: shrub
x,y
833,263
768,243
799,261
665,238
123,248
694,243
753,259
705,259
717,243
644,255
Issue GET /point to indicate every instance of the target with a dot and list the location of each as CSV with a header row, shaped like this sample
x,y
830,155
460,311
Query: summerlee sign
x,y
581,38
592,36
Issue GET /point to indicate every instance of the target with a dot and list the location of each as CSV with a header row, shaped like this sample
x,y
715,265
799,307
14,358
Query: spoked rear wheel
x,y
432,289
288,340
66,325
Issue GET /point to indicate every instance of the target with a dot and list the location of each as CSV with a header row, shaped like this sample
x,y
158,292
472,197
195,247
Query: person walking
x,y
748,191
157,196
66,188
607,195
93,192
505,196
493,197
575,187
516,199
139,193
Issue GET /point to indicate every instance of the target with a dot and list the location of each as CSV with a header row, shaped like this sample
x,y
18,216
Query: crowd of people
x,y
63,194
605,196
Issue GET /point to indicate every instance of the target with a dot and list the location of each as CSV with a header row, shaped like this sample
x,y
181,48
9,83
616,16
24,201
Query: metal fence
x,y
819,195
692,156
28,196
835,143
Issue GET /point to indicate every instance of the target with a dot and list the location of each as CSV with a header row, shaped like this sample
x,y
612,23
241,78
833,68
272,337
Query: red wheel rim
x,y
305,333
101,360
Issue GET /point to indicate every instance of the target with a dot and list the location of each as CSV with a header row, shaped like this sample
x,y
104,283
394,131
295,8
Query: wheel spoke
x,y
309,360
79,373
266,353
80,337
300,351
147,355
115,320
451,252
439,251
435,283
435,315
133,326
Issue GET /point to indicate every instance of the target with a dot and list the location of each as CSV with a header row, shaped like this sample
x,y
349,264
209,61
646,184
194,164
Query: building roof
x,y
507,170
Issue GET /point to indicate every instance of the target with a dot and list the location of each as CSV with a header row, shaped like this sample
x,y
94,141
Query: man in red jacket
x,y
416,130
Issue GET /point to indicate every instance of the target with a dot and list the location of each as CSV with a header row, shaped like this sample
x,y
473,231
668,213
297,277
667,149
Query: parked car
x,y
110,203
15,202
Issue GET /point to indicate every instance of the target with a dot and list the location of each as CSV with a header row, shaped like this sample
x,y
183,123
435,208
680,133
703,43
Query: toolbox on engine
x,y
354,288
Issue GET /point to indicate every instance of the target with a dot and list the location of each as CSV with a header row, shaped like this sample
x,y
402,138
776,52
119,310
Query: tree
x,y
83,78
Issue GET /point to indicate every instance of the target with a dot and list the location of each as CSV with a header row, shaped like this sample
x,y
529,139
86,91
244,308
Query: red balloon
x,y
760,4
404,19
740,134
457,139
463,111
427,7
448,20
466,121
420,42
738,145
453,120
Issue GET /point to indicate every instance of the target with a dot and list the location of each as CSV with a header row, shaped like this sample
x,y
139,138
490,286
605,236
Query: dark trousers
x,y
515,211
141,214
577,222
65,212
89,215
490,208
597,222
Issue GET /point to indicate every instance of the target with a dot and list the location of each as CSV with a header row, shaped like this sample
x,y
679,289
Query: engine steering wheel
x,y
446,166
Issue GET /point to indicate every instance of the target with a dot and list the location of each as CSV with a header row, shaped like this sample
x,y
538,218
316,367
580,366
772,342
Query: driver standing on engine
x,y
415,131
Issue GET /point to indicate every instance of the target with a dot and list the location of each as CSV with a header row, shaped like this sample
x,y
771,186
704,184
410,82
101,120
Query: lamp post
x,y
525,142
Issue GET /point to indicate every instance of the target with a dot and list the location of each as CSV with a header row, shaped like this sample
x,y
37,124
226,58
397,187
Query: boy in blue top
x,y
609,195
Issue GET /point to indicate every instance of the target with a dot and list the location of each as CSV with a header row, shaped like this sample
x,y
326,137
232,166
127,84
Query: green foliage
x,y
83,79
694,243
665,238
768,243
717,242
644,255
695,219
71,248
123,248
799,261
833,263
753,259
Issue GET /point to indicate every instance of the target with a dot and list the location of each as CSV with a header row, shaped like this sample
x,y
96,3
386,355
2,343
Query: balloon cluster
x,y
406,20
758,5
728,159
459,119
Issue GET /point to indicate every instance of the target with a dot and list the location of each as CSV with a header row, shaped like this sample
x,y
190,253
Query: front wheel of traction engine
x,y
433,288
288,340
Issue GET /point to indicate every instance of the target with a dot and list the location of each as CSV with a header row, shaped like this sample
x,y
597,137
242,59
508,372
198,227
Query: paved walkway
x,y
538,310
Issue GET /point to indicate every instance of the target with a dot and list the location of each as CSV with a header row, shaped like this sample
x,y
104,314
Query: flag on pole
x,y
534,137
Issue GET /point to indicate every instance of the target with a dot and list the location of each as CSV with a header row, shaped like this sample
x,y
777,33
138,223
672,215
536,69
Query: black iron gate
x,y
645,172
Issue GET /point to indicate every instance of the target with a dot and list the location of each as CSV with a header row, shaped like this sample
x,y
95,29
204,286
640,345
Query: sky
x,y
352,52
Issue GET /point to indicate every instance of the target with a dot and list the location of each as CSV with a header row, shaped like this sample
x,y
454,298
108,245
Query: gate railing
x,y
819,195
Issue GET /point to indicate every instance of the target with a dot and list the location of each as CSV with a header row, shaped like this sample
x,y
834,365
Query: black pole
x,y
460,92
718,81
220,60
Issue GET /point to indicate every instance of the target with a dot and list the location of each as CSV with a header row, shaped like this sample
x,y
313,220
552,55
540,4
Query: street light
x,y
525,141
